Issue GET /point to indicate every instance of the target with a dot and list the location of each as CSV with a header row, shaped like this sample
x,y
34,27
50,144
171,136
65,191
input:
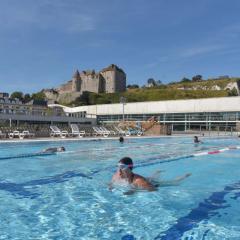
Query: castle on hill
x,y
109,80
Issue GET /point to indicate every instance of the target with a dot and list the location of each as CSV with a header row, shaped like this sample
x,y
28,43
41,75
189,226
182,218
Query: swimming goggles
x,y
124,166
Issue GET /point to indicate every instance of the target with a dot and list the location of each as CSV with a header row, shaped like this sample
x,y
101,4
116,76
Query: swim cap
x,y
127,161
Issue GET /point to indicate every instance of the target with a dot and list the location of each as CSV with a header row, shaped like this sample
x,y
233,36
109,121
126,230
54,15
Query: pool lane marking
x,y
28,155
146,163
98,149
204,211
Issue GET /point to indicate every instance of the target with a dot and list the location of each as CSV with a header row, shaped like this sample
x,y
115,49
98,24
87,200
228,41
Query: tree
x,y
197,78
158,82
18,95
27,98
132,86
233,92
185,80
84,98
38,96
151,82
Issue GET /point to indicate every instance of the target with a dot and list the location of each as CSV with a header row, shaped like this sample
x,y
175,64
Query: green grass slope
x,y
172,91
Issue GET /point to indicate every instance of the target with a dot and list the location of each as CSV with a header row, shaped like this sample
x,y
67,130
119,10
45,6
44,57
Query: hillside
x,y
186,89
172,91
210,84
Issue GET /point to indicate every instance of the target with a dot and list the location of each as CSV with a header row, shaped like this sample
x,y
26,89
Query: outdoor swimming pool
x,y
65,196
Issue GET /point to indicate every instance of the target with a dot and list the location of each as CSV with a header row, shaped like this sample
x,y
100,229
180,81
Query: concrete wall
x,y
224,104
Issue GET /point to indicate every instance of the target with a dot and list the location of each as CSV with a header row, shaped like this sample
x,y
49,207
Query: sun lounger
x,y
100,132
27,134
111,132
56,132
2,135
76,132
133,131
120,131
103,129
20,135
14,134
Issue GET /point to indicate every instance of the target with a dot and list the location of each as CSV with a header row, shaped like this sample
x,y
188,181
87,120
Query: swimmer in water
x,y
121,139
125,176
196,140
54,150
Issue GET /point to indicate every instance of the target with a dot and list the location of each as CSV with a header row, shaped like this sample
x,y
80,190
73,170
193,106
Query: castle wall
x,y
65,87
110,80
76,84
120,82
109,77
102,84
90,83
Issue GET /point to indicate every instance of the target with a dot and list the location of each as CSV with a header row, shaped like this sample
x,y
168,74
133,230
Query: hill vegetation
x,y
154,90
141,95
185,89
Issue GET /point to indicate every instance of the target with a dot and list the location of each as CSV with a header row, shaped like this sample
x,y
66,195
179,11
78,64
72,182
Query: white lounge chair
x,y
27,134
100,132
56,132
103,129
76,132
20,135
2,135
14,134
111,132
120,131
134,131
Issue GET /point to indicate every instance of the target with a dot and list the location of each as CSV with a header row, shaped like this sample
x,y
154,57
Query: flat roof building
x,y
181,114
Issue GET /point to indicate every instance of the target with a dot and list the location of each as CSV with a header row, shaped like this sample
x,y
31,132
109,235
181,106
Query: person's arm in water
x,y
142,183
115,177
175,181
155,175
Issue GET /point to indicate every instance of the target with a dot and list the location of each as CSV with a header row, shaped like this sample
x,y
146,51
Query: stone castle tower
x,y
76,80
109,80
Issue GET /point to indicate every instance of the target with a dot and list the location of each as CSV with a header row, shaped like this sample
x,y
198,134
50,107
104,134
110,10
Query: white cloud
x,y
200,50
187,53
46,15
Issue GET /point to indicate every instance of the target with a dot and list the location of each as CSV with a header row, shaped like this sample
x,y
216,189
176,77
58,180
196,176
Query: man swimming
x,y
54,150
196,140
125,176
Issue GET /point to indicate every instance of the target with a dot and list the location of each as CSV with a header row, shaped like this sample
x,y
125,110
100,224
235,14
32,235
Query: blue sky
x,y
44,41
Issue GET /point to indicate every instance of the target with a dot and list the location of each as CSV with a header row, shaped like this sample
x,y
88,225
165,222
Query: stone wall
x,y
110,79
90,83
120,82
67,87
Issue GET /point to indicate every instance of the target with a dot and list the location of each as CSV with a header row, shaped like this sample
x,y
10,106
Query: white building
x,y
181,114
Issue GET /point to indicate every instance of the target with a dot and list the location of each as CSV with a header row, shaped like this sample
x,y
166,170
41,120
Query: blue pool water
x,y
65,196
